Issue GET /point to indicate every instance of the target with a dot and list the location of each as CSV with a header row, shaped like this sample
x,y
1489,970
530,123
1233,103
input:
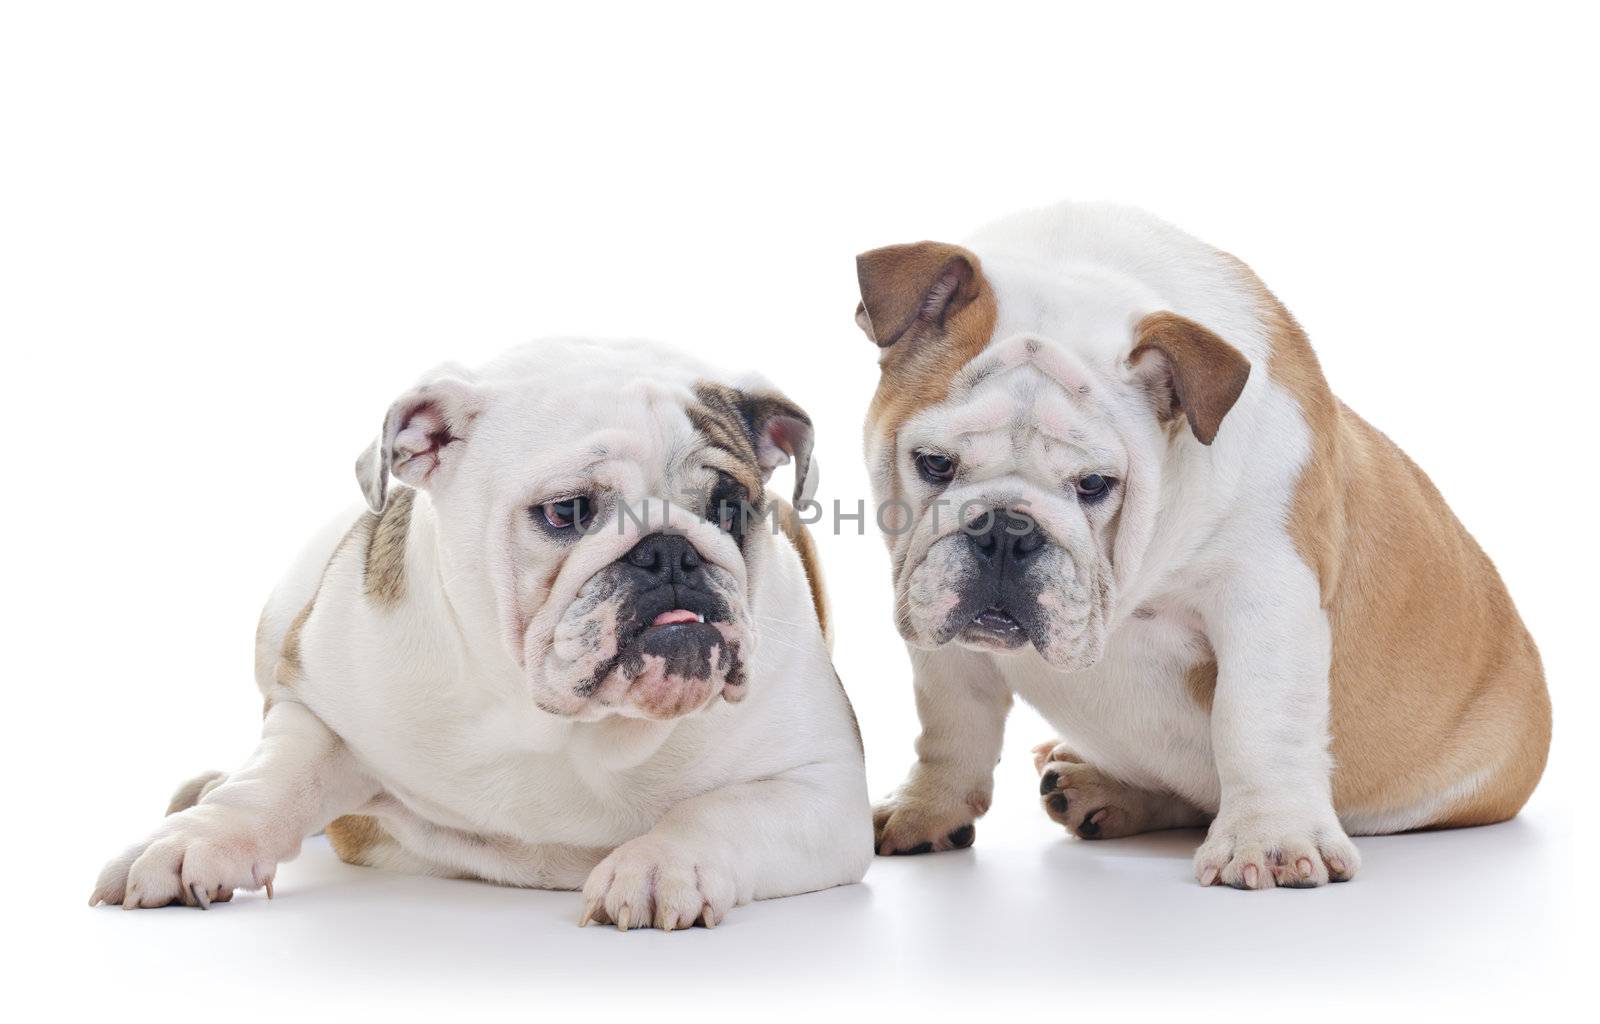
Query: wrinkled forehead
x,y
640,416
644,431
1081,307
564,430
1023,388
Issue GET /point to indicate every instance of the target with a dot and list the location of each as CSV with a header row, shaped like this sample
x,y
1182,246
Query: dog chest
x,y
1143,712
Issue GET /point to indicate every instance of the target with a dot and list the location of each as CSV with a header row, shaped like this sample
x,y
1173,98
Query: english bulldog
x,y
1117,485
576,645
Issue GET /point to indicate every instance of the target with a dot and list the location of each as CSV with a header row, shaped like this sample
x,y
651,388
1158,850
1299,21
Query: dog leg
x,y
1093,805
962,703
1269,732
300,777
800,831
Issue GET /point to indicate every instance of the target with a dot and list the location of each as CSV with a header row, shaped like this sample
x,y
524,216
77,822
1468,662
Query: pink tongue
x,y
674,616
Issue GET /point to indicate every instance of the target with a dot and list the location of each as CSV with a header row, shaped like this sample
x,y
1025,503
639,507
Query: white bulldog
x,y
1119,487
574,651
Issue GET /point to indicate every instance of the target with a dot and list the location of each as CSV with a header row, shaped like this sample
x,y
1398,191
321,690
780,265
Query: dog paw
x,y
1051,750
1260,853
906,824
651,882
1089,803
193,859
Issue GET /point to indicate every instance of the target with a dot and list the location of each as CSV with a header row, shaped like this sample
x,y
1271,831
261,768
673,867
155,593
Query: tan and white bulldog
x,y
1118,487
582,647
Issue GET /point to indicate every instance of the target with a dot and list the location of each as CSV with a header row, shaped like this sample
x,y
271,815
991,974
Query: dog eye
x,y
1093,487
727,503
568,512
725,514
935,467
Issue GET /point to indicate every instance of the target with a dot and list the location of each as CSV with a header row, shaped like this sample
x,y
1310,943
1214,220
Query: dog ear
x,y
422,435
909,289
1187,369
781,431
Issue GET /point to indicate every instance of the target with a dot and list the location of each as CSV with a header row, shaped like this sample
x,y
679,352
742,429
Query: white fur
x,y
1202,553
427,714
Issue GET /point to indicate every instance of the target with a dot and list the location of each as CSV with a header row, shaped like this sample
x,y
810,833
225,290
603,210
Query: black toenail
x,y
962,837
1057,803
1048,783
919,848
1090,828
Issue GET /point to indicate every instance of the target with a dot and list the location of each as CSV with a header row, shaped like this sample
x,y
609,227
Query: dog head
x,y
602,505
1021,439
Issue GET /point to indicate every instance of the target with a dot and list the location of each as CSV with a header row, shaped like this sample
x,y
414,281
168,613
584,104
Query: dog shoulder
x,y
357,587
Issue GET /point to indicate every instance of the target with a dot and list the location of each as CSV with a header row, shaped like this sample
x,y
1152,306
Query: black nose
x,y
668,557
1004,539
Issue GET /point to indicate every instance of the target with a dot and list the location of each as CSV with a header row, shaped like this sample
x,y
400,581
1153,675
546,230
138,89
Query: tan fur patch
x,y
789,523
1201,682
289,665
354,836
385,576
1435,681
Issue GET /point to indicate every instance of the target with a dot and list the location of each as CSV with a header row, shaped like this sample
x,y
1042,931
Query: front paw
x,y
195,859
908,823
1259,852
650,882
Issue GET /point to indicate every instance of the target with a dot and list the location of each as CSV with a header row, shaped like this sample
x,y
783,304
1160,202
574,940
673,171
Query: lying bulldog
x,y
1117,485
572,650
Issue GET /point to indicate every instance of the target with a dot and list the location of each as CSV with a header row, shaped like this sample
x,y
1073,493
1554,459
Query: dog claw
x,y
1208,876
200,897
269,888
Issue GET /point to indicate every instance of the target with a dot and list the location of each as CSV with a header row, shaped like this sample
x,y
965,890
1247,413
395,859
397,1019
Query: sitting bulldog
x,y
1127,495
581,646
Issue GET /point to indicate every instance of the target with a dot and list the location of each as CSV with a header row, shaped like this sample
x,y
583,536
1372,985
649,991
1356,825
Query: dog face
x,y
1020,440
602,505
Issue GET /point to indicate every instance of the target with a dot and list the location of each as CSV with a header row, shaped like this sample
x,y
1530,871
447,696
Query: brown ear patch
x,y
756,432
1198,374
906,289
718,419
930,309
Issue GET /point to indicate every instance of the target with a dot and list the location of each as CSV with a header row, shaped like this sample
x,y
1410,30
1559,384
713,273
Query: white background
x,y
231,235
